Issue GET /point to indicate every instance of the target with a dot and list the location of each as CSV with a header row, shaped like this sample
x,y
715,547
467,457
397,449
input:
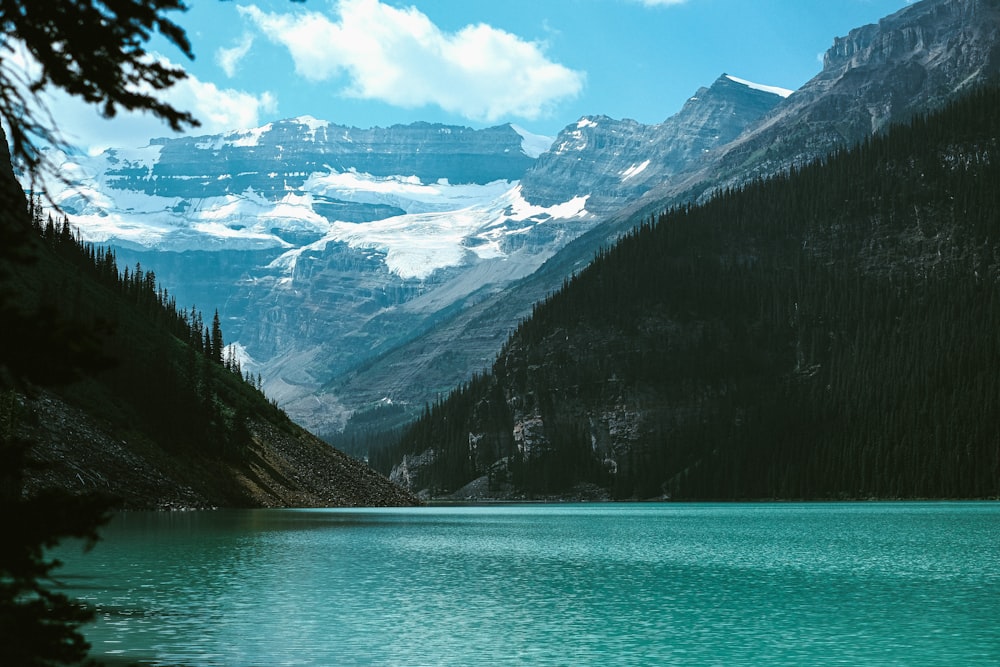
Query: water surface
x,y
597,584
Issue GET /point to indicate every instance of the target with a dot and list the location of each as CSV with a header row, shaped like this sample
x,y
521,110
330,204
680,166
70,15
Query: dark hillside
x,y
831,332
157,416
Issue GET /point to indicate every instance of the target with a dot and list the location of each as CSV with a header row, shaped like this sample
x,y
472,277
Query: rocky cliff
x,y
907,63
616,161
277,158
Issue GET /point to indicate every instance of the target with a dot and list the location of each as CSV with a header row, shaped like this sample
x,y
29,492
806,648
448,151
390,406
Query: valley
x,y
367,273
341,364
317,274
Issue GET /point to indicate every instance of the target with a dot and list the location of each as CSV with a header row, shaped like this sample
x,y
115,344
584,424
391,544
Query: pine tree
x,y
216,344
91,49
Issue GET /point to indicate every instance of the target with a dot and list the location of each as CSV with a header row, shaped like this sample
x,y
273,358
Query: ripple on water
x,y
776,584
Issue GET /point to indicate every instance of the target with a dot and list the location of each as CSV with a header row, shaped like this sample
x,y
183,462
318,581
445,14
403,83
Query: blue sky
x,y
540,64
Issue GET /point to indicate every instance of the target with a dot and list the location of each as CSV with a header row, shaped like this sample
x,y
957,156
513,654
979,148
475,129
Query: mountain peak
x,y
311,122
910,62
924,35
619,160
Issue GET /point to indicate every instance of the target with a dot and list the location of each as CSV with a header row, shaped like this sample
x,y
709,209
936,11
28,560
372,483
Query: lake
x,y
549,584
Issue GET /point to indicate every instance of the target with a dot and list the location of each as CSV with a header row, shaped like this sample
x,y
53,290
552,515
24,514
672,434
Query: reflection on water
x,y
633,584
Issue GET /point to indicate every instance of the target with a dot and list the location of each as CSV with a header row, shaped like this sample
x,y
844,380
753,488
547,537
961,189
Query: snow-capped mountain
x,y
304,233
354,265
910,62
275,185
324,246
620,160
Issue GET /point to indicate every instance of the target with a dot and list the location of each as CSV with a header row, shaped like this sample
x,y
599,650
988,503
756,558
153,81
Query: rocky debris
x,y
74,452
297,469
284,467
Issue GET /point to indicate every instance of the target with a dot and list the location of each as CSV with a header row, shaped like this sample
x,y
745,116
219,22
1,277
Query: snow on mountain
x,y
417,224
780,92
617,161
634,170
533,145
407,193
324,246
243,220
415,245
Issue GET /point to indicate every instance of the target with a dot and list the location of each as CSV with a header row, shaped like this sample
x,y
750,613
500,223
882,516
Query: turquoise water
x,y
601,584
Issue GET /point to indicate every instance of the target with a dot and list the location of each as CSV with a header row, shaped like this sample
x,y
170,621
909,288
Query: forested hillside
x,y
833,332
138,397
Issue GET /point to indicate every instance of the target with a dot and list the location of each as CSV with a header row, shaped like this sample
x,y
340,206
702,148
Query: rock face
x,y
907,63
277,158
617,161
410,473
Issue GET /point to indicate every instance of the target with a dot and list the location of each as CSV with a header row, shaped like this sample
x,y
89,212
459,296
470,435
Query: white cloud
x,y
217,109
81,125
221,109
401,57
229,59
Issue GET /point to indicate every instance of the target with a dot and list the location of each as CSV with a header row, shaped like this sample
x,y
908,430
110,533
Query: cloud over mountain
x,y
401,57
218,109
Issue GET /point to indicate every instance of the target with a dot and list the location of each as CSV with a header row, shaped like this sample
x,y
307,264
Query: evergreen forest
x,y
831,332
150,360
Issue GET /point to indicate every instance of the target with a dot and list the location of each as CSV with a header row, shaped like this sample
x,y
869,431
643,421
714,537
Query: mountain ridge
x,y
803,126
713,116
342,265
824,333
377,262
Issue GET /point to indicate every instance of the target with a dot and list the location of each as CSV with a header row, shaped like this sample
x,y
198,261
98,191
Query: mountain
x,y
122,393
619,161
910,61
325,246
282,184
301,231
827,333
351,290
